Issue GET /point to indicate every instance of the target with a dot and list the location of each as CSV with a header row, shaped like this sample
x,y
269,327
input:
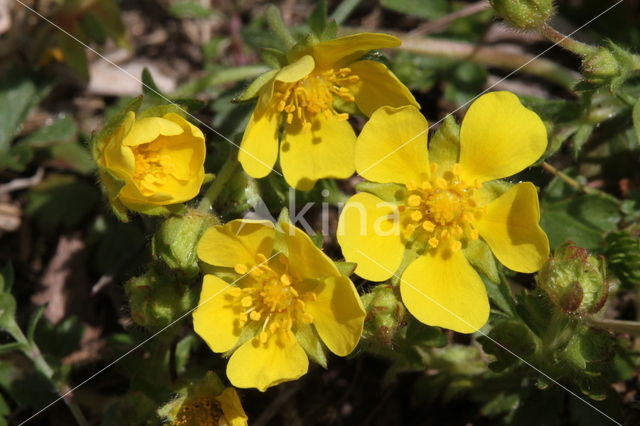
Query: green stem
x,y
274,19
566,42
32,351
492,57
219,182
617,326
575,184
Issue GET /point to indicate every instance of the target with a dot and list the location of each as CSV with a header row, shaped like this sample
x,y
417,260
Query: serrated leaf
x,y
20,91
318,18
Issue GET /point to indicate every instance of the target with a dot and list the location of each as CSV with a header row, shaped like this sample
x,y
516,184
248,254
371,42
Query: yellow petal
x,y
369,236
445,291
499,137
236,242
117,158
344,50
326,150
392,147
305,259
215,319
232,408
259,146
186,126
338,314
378,86
296,70
511,228
148,129
256,365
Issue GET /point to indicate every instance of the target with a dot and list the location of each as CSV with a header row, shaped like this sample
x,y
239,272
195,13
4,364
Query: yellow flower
x,y
204,402
152,161
318,141
288,300
441,211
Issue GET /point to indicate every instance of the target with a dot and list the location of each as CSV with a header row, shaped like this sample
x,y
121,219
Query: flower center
x,y
441,210
152,167
269,298
314,94
201,412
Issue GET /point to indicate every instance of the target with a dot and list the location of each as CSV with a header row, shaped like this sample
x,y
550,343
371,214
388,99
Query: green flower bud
x,y
524,14
623,255
600,65
385,313
574,280
157,298
175,242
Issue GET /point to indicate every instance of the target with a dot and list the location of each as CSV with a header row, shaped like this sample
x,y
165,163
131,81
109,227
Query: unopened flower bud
x,y
176,239
385,313
157,298
524,14
600,65
574,280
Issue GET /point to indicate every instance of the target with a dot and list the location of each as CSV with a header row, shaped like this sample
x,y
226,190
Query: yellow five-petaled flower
x,y
287,299
444,207
317,140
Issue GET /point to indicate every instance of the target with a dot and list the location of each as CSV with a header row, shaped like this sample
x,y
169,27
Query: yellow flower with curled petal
x,y
442,211
151,161
287,301
317,141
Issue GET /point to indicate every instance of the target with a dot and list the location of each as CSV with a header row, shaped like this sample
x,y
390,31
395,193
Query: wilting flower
x,y
305,97
287,298
440,212
152,161
205,402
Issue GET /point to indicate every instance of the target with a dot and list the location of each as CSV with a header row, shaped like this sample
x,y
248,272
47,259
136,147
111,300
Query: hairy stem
x,y
576,184
566,42
616,326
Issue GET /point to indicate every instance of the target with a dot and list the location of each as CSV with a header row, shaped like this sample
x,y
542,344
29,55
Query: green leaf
x,y
189,9
61,130
273,57
74,55
582,219
510,334
318,18
33,322
93,28
20,91
60,201
10,347
6,278
153,96
431,9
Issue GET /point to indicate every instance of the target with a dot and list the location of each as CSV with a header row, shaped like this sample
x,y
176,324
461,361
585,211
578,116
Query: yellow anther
x,y
235,291
426,186
457,231
441,183
411,185
473,234
264,337
455,245
414,200
261,258
342,117
310,296
255,315
428,226
241,269
468,217
246,301
285,279
274,327
300,304
307,318
416,215
409,229
456,169
433,242
445,235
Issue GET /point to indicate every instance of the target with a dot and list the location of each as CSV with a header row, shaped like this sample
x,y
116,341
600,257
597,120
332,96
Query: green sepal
x,y
161,110
479,255
308,338
444,148
152,94
389,192
346,268
301,48
7,311
253,90
273,57
171,209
